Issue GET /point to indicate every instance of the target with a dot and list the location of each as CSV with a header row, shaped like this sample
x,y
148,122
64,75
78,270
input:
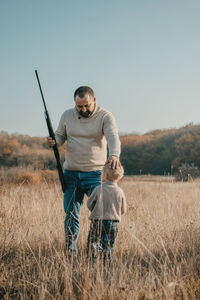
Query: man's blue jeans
x,y
77,184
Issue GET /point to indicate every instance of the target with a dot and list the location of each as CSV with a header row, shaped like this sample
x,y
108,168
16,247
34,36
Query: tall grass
x,y
156,255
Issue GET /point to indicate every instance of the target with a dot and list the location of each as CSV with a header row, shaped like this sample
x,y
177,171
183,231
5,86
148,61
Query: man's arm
x,y
112,137
60,134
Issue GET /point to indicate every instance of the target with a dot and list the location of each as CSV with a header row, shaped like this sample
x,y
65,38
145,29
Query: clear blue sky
x,y
140,57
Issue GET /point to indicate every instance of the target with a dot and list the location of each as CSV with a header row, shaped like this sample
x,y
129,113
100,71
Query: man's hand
x,y
113,162
50,142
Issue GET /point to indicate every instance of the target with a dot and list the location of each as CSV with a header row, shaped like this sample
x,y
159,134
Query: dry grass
x,y
157,251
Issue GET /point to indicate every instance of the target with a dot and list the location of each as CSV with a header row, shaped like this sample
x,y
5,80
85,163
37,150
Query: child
x,y
106,203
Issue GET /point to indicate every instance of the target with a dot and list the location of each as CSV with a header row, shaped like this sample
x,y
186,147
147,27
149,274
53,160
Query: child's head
x,y
112,174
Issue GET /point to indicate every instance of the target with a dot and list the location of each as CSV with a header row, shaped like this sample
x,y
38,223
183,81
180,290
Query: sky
x,y
140,57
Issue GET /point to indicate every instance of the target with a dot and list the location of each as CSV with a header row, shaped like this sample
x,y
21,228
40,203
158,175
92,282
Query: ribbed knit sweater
x,y
107,202
87,139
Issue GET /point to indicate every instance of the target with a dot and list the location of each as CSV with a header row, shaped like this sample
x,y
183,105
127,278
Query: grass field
x,y
156,255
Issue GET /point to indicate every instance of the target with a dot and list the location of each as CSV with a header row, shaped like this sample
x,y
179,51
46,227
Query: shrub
x,y
27,174
187,172
49,175
28,177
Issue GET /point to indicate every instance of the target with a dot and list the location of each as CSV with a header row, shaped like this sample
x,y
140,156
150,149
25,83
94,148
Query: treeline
x,y
23,150
160,152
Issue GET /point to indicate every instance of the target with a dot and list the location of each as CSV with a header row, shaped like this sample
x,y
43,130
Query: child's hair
x,y
112,174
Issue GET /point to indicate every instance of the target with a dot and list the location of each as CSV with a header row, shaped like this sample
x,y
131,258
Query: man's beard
x,y
86,114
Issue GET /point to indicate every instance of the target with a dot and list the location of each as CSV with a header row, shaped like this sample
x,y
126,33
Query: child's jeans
x,y
101,239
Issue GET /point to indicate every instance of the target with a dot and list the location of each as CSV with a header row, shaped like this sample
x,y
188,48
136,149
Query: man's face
x,y
85,105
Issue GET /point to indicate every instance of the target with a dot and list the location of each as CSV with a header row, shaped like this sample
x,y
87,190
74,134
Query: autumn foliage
x,y
159,152
23,150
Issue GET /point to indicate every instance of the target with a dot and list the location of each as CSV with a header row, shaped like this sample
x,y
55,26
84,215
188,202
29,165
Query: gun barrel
x,y
38,79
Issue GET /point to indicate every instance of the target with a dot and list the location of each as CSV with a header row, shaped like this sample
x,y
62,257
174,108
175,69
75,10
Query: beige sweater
x,y
87,139
107,202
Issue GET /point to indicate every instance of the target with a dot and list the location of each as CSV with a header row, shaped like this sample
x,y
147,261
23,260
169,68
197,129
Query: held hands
x,y
50,142
113,162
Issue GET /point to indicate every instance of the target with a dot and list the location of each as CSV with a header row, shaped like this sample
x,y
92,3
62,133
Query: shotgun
x,y
52,135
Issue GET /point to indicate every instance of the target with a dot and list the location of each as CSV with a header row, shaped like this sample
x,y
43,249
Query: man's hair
x,y
112,174
82,91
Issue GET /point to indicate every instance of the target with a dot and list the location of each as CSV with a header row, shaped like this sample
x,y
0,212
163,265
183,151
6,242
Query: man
x,y
88,129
